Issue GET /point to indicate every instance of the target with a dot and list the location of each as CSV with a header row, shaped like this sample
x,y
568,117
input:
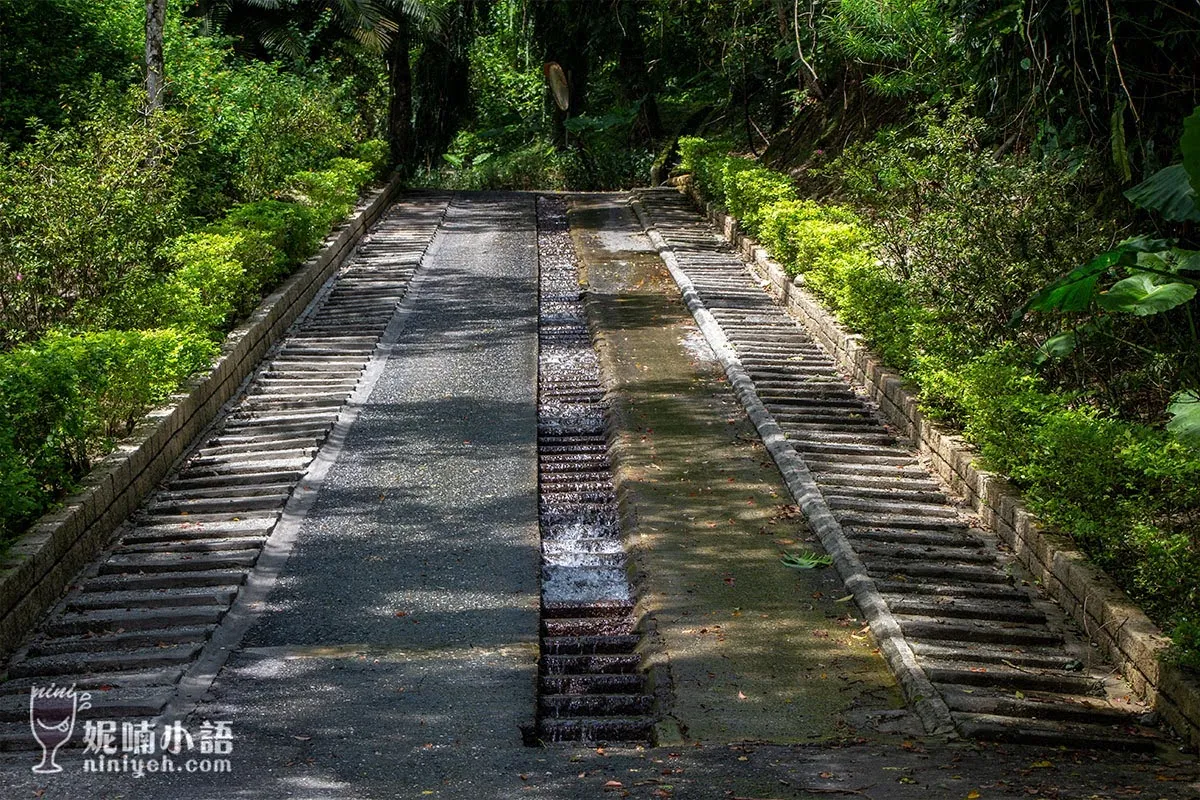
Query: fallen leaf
x,y
1041,764
973,795
614,785
302,738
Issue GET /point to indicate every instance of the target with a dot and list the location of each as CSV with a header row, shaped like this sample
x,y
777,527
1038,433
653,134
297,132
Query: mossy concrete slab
x,y
749,649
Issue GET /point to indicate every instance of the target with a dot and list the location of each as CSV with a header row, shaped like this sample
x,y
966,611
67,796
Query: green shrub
x,y
693,149
783,231
801,245
971,233
374,153
64,398
536,166
333,191
52,48
209,284
873,303
1128,495
750,192
710,164
83,211
252,123
293,232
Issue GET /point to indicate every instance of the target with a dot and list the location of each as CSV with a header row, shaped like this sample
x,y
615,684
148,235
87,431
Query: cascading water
x,y
591,686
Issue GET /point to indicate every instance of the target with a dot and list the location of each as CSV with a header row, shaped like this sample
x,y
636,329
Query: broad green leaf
x,y
1187,260
1185,416
1190,145
1075,290
1168,192
1141,295
1060,345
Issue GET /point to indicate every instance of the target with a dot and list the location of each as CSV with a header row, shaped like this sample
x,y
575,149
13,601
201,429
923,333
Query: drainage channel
x,y
1008,664
141,615
590,682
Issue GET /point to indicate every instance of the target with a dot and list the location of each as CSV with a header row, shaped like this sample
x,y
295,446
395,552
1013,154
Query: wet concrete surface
x,y
753,650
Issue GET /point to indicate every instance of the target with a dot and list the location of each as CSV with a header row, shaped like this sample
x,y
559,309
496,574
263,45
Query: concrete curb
x,y
44,560
918,690
1124,633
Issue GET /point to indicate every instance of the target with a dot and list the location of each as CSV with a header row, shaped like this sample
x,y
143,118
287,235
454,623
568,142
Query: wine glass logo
x,y
52,711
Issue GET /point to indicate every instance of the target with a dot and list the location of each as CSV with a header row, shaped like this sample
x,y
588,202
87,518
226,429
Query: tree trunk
x,y
634,71
400,124
156,12
442,81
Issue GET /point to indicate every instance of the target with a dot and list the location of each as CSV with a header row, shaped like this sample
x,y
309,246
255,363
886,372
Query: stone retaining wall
x,y
1110,619
43,561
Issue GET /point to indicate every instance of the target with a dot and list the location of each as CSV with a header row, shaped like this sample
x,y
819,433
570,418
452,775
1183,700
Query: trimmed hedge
x,y
66,398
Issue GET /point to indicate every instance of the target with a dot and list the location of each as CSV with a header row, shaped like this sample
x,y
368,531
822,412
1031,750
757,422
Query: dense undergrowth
x,y
929,246
130,243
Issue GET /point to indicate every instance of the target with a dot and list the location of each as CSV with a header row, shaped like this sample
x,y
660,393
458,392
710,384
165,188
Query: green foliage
x,y
537,166
969,233
373,153
1168,192
905,46
207,284
801,233
253,124
83,211
1150,278
693,149
330,192
50,50
290,231
506,89
749,193
806,559
63,398
1185,417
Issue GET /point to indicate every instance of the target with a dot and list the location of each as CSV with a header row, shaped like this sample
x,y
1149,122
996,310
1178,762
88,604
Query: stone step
x,y
175,562
166,580
115,642
927,628
153,598
117,620
975,609
993,727
84,663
